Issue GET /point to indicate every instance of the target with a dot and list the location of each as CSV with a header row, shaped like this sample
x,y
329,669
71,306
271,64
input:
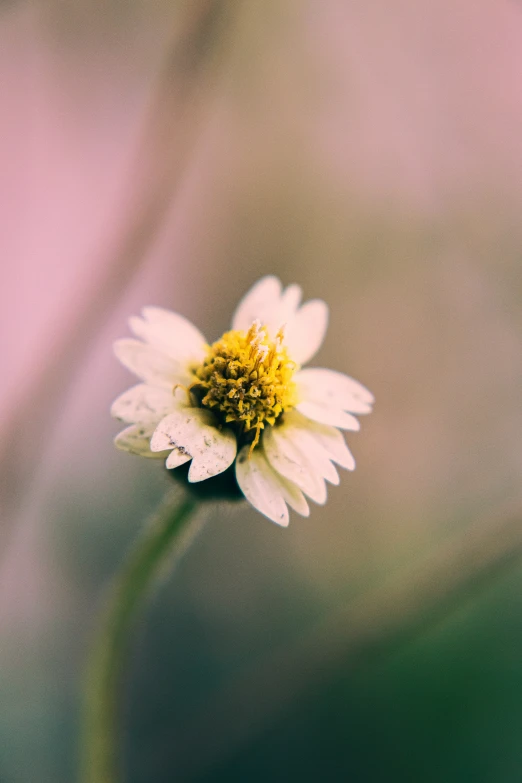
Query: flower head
x,y
246,380
245,399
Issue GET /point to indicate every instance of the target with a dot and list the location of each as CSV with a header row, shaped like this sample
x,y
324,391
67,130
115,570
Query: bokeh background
x,y
172,153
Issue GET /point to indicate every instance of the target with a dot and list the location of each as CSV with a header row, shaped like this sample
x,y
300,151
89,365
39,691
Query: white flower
x,y
244,399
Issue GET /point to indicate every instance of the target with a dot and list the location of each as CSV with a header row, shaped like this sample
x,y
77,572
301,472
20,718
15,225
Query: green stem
x,y
163,540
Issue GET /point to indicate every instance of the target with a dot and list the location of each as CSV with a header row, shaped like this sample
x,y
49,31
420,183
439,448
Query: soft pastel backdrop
x,y
171,153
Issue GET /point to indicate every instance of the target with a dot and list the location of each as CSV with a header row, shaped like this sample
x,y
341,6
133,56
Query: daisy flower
x,y
244,400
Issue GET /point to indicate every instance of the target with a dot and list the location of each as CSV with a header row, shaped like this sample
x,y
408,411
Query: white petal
x,y
257,482
331,440
334,416
136,440
283,311
143,403
171,333
176,458
193,432
274,307
333,390
299,430
290,301
290,491
304,333
321,461
258,302
292,495
151,365
288,459
265,489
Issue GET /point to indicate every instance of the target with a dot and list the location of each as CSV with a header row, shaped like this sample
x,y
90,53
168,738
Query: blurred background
x,y
172,153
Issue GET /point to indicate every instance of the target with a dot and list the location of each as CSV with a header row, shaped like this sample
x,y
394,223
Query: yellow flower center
x,y
246,379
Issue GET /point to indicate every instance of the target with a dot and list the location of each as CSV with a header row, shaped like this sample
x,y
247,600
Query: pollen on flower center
x,y
246,379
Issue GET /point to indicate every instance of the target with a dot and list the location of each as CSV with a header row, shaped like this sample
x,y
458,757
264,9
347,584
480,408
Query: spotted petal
x,y
193,433
143,403
136,440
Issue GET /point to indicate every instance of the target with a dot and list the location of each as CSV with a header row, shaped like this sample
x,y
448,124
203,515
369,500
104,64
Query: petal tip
x,y
282,520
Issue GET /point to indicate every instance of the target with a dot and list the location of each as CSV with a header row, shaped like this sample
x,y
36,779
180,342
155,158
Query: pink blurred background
x,y
172,153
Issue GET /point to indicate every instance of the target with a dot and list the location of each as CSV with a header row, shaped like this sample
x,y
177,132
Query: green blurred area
x,y
438,699
442,706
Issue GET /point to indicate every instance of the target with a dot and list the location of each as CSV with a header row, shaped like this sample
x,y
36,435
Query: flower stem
x,y
164,539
